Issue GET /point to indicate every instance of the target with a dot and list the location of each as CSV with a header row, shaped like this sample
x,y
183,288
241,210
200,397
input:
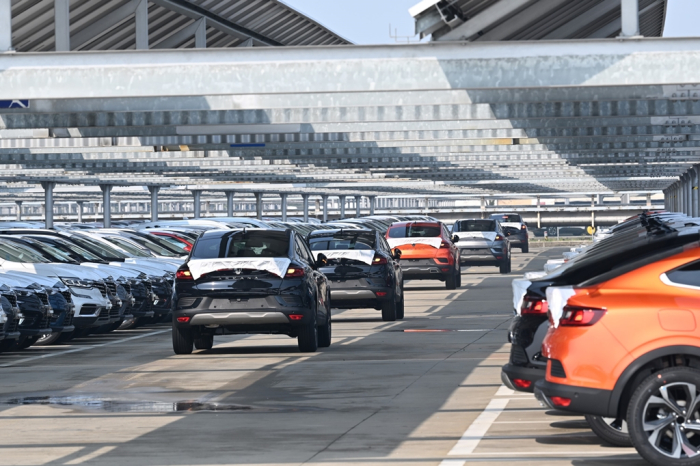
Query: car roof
x,y
422,223
351,231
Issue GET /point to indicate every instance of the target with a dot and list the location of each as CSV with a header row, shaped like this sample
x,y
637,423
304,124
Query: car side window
x,y
383,244
302,251
687,276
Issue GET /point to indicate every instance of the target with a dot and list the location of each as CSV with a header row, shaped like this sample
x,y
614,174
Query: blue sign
x,y
14,104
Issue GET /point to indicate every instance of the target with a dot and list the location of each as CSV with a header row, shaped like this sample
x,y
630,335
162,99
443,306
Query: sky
x,y
367,21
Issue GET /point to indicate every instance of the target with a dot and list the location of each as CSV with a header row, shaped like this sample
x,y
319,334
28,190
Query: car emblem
x,y
238,271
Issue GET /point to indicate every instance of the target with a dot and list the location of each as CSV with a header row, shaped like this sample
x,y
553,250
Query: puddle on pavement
x,y
122,406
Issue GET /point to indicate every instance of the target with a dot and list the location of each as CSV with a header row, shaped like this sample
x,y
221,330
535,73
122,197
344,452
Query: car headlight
x,y
3,317
77,282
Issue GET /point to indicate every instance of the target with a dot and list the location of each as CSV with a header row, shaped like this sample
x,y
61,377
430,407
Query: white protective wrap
x,y
365,256
554,264
466,235
520,286
557,297
277,266
396,242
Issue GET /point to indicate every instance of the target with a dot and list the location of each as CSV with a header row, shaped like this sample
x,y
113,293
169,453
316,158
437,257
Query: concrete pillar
x,y
324,206
305,197
358,206
630,18
48,202
61,10
107,205
566,201
696,191
625,199
342,206
259,205
142,25
154,202
229,203
18,210
649,199
592,201
5,25
483,207
372,204
283,204
197,194
200,35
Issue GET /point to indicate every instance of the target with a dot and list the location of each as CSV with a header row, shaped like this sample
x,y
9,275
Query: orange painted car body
x,y
643,314
446,255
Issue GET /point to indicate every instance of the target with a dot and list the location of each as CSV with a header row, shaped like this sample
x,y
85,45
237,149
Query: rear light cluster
x,y
522,383
294,272
534,306
499,238
560,401
184,274
523,227
574,316
379,260
444,245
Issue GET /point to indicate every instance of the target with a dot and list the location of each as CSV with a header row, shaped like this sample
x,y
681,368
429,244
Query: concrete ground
x,y
422,391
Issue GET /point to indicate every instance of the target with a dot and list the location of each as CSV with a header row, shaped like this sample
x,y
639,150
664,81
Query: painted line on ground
x,y
447,330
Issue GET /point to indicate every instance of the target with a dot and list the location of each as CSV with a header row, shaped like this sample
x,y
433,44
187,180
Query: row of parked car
x,y
610,331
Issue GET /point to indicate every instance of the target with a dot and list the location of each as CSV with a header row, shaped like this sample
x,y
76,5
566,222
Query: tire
x,y
610,434
48,339
183,340
24,343
400,308
308,337
325,333
130,324
451,282
389,311
459,277
65,337
647,409
525,248
204,342
504,267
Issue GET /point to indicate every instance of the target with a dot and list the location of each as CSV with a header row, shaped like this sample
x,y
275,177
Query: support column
x,y
48,203
18,210
324,206
649,199
696,191
630,18
259,205
483,207
372,204
154,202
200,35
229,203
342,206
5,25
539,213
197,203
106,205
80,211
61,10
284,206
142,25
305,197
625,199
358,206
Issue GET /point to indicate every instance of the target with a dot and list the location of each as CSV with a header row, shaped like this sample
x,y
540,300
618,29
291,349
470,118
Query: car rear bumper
x,y
533,374
264,312
584,400
425,269
355,299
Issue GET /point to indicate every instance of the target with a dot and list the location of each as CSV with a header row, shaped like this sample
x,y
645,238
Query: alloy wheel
x,y
672,421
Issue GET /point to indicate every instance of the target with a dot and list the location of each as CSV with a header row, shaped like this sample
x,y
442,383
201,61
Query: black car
x,y
251,281
9,329
515,229
363,271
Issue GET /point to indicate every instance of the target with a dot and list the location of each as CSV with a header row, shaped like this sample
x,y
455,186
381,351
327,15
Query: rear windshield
x,y
240,244
415,231
356,242
475,225
507,218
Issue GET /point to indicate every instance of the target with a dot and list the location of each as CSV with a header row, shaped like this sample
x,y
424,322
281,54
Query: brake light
x,y
574,316
523,227
296,316
381,294
560,401
183,274
294,272
183,320
379,260
534,306
522,383
444,245
499,238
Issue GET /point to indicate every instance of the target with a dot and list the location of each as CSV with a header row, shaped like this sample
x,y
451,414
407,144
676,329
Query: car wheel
x,y
325,333
183,340
65,337
504,267
525,248
204,342
611,431
25,343
400,308
662,417
451,282
48,339
459,276
130,324
389,311
308,337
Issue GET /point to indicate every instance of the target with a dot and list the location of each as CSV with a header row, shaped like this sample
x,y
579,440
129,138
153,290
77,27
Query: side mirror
x,y
321,260
396,254
455,239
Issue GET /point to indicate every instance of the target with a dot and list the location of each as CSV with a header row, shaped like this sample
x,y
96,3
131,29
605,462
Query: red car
x,y
174,239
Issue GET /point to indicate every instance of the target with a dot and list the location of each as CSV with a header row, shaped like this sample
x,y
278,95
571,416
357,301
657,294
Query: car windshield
x,y
102,250
243,244
414,231
75,252
175,243
342,242
55,255
14,252
128,246
474,225
158,246
507,218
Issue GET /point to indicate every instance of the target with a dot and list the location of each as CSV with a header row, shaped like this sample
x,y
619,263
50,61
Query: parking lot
x,y
425,390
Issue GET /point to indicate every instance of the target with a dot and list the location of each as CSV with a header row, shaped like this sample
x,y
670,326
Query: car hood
x,y
118,269
47,282
55,270
163,266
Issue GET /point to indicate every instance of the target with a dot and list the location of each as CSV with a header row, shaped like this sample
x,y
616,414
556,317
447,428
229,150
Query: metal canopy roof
x,y
110,25
489,20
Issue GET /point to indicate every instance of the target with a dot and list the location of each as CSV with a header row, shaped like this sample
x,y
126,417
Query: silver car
x,y
482,242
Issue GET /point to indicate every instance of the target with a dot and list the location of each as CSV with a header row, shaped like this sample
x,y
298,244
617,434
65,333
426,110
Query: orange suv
x,y
428,252
626,345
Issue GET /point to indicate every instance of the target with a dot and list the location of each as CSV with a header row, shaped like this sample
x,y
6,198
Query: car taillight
x,y
534,306
379,260
574,316
560,401
188,248
183,320
523,227
183,274
522,383
444,245
499,238
294,272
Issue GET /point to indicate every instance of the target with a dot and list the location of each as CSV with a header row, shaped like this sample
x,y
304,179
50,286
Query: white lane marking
x,y
505,391
481,425
90,456
352,340
82,348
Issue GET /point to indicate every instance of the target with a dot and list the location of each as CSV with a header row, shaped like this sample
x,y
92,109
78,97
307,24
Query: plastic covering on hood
x,y
365,256
557,297
277,266
396,242
520,286
552,265
466,235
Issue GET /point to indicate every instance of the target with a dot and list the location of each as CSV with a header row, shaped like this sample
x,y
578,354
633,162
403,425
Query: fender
x,y
640,362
